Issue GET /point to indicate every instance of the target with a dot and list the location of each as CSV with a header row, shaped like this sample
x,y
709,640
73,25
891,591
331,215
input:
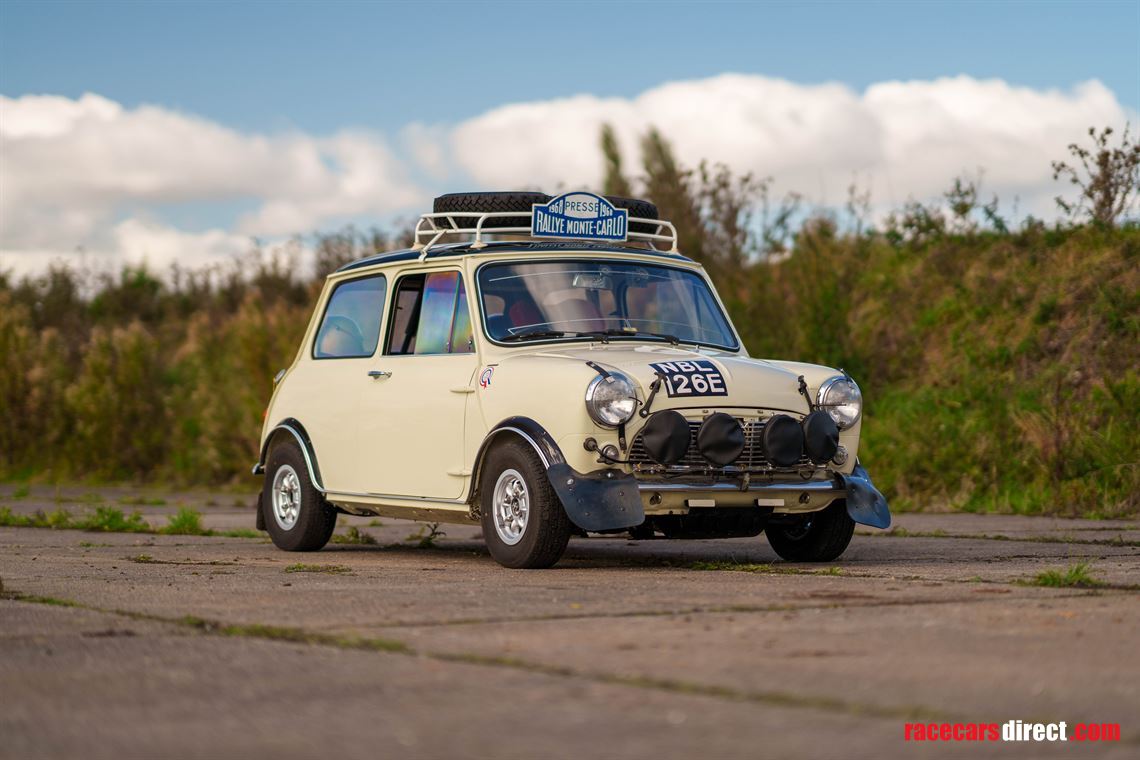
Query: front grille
x,y
751,459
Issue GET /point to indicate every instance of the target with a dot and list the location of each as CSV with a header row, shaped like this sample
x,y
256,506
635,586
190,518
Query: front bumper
x,y
606,500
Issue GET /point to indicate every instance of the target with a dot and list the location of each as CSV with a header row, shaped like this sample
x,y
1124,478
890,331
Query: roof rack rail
x,y
431,229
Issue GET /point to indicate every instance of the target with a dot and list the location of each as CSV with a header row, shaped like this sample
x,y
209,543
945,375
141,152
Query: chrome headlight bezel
x,y
845,412
603,393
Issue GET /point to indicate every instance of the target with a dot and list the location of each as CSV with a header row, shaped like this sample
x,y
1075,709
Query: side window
x,y
351,325
431,316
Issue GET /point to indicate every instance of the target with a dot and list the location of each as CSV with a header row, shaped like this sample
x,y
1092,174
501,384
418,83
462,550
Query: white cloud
x,y
160,246
427,146
69,170
90,173
909,138
136,242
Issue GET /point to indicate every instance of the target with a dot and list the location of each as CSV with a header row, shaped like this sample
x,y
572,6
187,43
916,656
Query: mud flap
x,y
603,500
864,502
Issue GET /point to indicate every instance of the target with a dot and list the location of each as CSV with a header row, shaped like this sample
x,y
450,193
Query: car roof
x,y
507,246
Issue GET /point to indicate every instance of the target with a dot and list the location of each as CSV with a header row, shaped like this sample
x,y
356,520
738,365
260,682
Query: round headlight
x,y
840,397
611,400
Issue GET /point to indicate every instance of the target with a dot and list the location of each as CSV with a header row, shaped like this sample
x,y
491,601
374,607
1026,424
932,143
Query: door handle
x,y
378,373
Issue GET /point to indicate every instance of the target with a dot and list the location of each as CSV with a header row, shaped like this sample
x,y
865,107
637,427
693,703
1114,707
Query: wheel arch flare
x,y
603,500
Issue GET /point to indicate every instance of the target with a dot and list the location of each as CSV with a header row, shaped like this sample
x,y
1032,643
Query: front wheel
x,y
296,515
524,524
821,537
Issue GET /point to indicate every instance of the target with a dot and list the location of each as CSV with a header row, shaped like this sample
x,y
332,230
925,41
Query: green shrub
x,y
185,522
112,520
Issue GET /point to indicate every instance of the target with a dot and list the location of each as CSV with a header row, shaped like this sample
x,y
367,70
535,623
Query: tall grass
x,y
1001,369
145,378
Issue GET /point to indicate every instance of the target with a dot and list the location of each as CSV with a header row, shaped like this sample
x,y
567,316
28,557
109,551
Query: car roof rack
x,y
459,226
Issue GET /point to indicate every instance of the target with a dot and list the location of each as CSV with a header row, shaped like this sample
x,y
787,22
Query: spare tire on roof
x,y
489,203
638,209
522,201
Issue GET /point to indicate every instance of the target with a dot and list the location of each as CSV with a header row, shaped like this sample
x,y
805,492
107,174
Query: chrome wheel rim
x,y
511,505
286,497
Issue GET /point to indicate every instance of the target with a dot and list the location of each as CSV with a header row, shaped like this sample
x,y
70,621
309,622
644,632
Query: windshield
x,y
600,299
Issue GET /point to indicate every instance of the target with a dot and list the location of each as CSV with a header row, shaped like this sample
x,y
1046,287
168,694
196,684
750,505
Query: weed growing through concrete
x,y
112,520
353,536
768,569
141,501
301,567
1076,576
295,635
185,522
426,536
747,567
235,533
146,559
58,519
1117,540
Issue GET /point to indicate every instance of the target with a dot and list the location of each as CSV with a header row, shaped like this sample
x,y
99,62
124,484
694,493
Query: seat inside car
x,y
340,337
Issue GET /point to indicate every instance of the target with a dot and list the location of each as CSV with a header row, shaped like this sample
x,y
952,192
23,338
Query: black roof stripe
x,y
506,246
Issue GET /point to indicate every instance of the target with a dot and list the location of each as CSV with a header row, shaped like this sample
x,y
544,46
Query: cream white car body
x,y
404,436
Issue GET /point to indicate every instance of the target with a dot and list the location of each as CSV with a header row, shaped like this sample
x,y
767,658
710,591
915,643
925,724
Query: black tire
x,y
822,537
489,203
523,200
547,528
316,520
639,209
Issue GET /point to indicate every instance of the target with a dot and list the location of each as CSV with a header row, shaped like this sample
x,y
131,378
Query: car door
x,y
412,414
327,381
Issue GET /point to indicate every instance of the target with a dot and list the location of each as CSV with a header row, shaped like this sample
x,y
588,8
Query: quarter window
x,y
431,316
351,325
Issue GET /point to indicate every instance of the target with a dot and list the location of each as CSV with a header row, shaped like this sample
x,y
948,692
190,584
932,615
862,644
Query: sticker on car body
x,y
698,377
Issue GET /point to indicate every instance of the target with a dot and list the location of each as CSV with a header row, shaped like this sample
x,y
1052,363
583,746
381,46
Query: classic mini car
x,y
551,367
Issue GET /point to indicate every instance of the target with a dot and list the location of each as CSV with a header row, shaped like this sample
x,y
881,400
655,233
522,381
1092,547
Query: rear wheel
x,y
821,537
296,516
524,524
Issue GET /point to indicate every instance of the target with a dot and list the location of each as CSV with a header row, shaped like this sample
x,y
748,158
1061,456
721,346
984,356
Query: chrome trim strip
x,y
533,443
395,497
304,452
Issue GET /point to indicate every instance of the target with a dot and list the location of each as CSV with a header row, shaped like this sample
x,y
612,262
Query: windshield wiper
x,y
629,333
534,334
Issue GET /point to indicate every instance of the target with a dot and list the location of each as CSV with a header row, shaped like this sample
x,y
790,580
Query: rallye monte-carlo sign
x,y
579,215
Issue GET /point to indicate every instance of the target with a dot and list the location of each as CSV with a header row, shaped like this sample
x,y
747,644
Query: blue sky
x,y
320,66
163,130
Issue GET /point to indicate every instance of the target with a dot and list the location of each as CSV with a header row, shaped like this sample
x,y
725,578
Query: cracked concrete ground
x,y
186,646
